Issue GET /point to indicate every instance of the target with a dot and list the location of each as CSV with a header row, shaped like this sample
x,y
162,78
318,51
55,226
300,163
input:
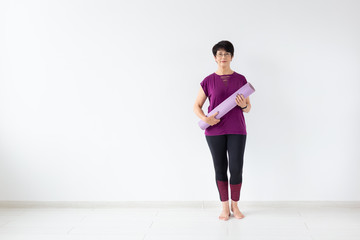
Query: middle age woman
x,y
228,134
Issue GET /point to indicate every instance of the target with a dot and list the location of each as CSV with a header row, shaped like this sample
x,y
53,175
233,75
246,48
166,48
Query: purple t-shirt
x,y
218,88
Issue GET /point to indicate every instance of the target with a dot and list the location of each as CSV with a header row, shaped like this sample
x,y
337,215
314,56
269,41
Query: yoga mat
x,y
228,104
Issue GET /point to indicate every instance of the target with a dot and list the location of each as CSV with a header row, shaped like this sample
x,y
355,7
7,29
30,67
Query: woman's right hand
x,y
211,120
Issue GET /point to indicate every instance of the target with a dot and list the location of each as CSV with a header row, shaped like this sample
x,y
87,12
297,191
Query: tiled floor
x,y
263,220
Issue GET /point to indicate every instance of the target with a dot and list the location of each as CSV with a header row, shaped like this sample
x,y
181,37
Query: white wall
x,y
97,98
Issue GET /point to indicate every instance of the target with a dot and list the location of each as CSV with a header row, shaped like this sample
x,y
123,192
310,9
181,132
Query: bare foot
x,y
225,214
236,211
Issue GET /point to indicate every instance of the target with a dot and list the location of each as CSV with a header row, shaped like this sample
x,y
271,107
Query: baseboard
x,y
169,204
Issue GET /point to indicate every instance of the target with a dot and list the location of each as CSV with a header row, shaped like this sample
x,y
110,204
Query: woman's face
x,y
223,58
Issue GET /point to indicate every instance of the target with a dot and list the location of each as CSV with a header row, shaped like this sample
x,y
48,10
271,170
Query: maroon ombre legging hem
x,y
223,188
235,191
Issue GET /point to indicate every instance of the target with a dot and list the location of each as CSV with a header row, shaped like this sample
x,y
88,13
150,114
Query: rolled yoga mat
x,y
228,104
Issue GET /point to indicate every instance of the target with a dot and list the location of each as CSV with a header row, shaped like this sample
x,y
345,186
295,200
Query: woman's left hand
x,y
240,101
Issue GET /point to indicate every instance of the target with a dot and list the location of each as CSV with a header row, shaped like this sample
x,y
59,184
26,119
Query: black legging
x,y
219,145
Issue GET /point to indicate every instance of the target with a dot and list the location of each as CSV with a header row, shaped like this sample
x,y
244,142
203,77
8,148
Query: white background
x,y
96,99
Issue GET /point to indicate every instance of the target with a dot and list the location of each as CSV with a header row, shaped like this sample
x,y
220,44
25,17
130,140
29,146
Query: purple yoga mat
x,y
228,104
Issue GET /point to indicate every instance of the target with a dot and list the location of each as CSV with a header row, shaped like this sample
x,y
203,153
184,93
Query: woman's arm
x,y
242,102
199,102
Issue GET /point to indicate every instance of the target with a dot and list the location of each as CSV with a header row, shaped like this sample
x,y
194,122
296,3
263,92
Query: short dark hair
x,y
226,45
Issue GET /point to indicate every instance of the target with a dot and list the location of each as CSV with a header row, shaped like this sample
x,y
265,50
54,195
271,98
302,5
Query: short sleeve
x,y
204,84
245,81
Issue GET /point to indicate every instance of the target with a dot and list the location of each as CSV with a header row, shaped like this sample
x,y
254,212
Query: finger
x,y
214,115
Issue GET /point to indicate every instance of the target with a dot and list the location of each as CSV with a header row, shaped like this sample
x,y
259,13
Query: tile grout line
x,y
83,218
299,213
148,229
306,226
68,233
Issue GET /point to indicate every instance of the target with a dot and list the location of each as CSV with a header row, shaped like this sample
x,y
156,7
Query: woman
x,y
228,134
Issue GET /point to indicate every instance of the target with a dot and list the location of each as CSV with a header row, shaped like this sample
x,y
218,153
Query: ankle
x,y
225,205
